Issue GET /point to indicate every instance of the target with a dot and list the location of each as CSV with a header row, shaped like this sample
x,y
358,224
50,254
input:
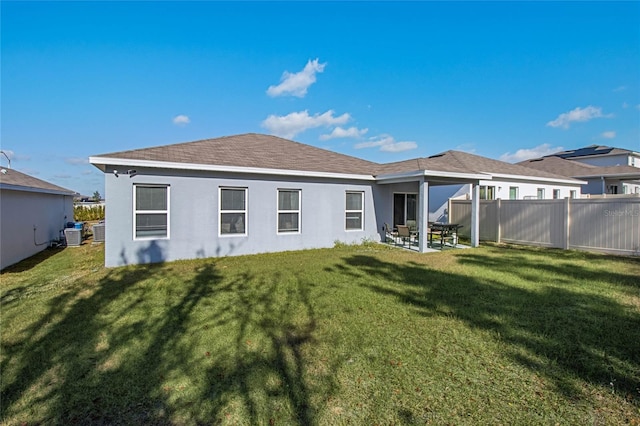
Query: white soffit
x,y
96,161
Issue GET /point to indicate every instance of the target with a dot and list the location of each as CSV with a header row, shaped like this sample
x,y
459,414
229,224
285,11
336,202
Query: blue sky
x,y
377,80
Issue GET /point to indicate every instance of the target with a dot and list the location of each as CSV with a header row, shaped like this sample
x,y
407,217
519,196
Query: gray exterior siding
x,y
21,211
194,216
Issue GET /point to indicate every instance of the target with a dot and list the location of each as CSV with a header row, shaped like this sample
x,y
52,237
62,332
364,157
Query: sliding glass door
x,y
405,208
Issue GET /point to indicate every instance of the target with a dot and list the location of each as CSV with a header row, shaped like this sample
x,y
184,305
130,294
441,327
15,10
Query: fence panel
x,y
537,222
603,224
461,215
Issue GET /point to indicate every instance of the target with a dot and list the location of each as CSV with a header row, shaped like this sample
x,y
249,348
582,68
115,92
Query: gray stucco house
x,y
255,193
33,212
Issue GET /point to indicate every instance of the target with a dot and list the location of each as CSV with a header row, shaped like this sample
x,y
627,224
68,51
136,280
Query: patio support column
x,y
423,214
475,214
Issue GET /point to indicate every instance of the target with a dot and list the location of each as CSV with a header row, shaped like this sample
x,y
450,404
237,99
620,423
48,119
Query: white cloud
x,y
289,125
565,119
296,84
181,120
609,134
387,143
75,161
620,89
339,132
528,153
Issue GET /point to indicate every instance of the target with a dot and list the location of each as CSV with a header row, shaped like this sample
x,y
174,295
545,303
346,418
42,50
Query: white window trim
x,y
245,211
361,211
539,192
278,211
135,211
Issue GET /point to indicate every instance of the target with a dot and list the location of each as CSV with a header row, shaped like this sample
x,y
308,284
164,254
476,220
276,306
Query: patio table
x,y
446,231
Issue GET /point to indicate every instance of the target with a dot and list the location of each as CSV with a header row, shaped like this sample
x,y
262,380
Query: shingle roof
x,y
576,169
252,150
590,150
22,180
463,162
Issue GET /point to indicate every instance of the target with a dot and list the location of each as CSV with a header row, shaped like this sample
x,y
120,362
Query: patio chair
x,y
404,234
389,234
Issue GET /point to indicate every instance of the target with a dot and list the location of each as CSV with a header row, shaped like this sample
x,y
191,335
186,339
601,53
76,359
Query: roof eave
x,y
102,162
12,187
412,175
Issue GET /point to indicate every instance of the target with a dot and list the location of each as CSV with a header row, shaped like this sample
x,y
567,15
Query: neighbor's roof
x,y
248,150
591,150
575,169
13,179
461,162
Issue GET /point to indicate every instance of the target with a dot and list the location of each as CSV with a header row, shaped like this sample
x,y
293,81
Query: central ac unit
x,y
98,233
73,236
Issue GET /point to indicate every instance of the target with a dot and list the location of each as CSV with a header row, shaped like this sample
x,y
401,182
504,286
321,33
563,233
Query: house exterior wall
x,y
439,195
609,160
530,189
20,212
194,216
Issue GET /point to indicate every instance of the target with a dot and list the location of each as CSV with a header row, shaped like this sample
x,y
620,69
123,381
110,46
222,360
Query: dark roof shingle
x,y
18,179
575,169
252,150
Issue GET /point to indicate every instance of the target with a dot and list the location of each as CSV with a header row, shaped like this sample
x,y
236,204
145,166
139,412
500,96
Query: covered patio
x,y
404,192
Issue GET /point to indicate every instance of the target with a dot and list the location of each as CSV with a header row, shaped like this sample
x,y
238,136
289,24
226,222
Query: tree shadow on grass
x,y
555,330
136,349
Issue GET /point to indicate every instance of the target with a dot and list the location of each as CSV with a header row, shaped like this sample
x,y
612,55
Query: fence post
x,y
567,222
498,220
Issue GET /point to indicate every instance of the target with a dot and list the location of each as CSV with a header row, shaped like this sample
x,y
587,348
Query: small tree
x,y
96,197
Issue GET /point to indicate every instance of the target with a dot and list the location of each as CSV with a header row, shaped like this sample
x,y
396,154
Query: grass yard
x,y
351,335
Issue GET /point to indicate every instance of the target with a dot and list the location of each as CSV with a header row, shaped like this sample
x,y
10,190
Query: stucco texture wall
x,y
194,216
20,212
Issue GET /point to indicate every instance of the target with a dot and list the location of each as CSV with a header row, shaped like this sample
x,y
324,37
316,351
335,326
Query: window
x,y
540,193
288,210
487,192
151,211
233,211
573,193
513,192
353,211
556,194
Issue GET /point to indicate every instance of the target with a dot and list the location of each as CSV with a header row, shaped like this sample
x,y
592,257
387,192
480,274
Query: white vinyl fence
x,y
605,224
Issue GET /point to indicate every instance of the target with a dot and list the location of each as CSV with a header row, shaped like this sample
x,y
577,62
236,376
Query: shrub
x,y
83,214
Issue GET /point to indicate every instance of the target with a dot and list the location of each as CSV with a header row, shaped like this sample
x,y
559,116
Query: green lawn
x,y
352,335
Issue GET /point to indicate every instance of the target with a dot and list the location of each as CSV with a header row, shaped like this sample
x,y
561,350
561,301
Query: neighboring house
x,y
606,170
505,181
255,193
32,214
602,156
